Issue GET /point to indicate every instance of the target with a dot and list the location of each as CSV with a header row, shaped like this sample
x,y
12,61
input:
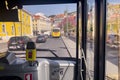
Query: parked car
x,y
46,36
47,33
113,40
41,39
18,42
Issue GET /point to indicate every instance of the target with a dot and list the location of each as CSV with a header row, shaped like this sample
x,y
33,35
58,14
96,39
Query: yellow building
x,y
23,27
113,18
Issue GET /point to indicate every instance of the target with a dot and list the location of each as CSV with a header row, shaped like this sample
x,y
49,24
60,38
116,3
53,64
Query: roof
x,y
59,16
36,17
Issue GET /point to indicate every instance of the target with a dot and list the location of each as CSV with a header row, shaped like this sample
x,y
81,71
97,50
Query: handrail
x,y
87,69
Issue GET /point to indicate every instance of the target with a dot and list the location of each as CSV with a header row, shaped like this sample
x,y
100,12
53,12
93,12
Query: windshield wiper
x,y
52,51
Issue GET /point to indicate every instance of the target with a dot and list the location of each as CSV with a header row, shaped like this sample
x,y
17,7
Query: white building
x,y
41,23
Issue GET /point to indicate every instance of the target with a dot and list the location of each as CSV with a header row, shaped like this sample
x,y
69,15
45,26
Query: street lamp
x,y
66,16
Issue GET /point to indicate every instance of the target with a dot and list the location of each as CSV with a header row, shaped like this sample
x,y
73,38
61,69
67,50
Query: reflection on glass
x,y
90,37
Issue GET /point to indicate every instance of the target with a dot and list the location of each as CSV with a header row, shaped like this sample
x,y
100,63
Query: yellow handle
x,y
31,54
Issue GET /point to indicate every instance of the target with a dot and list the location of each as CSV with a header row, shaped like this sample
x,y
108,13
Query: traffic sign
x,y
28,76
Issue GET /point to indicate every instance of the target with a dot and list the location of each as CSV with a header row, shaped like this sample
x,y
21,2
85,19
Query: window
x,y
113,39
3,28
13,30
90,37
19,29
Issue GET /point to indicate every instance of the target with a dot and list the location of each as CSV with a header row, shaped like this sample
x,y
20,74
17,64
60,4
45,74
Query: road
x,y
3,47
53,47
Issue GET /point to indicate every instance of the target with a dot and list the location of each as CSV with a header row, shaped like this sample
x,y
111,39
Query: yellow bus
x,y
56,32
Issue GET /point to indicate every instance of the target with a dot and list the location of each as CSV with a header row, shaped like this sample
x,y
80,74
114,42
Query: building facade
x,y
113,18
23,27
40,24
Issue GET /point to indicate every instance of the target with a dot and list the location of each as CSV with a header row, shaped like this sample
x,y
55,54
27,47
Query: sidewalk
x,y
111,69
3,41
70,46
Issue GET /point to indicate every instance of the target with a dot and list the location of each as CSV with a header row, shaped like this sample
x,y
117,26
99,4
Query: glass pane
x,y
113,39
56,22
90,38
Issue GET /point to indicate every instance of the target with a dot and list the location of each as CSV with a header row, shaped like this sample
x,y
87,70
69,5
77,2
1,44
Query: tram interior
x,y
34,67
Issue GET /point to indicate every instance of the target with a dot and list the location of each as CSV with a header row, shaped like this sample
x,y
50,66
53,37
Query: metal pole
x,y
14,28
67,20
100,42
15,32
77,74
21,20
84,35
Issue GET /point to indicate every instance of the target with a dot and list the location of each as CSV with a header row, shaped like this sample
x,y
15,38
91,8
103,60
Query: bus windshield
x,y
37,22
56,30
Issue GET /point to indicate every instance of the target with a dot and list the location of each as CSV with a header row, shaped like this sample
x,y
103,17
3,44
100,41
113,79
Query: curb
x,y
111,70
3,41
70,47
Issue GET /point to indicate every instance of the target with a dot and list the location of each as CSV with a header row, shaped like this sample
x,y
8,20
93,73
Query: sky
x,y
50,9
114,1
57,8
